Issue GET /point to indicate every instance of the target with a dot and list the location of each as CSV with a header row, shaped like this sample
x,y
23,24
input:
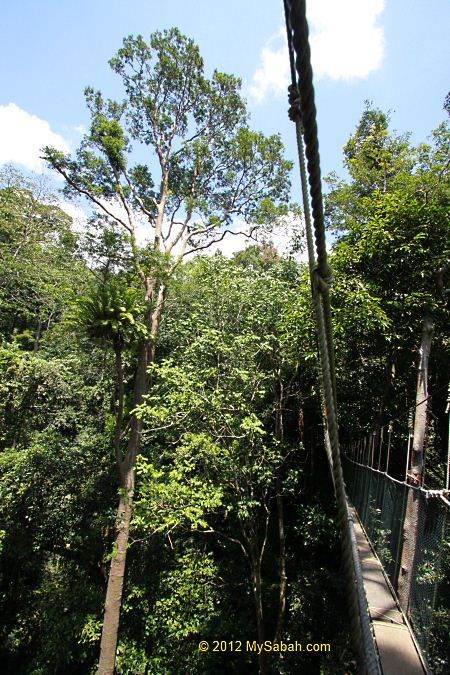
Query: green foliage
x,y
393,225
230,422
53,519
45,392
38,260
374,157
212,460
181,494
111,313
168,614
54,466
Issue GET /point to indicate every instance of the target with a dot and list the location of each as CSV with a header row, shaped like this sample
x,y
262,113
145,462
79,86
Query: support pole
x,y
447,480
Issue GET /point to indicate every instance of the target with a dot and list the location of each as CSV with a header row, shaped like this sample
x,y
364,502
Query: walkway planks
x,y
396,647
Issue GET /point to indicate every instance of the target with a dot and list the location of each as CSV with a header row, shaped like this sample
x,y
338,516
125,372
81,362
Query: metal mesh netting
x,y
381,505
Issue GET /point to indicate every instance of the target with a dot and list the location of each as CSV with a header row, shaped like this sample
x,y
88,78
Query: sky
x,y
393,52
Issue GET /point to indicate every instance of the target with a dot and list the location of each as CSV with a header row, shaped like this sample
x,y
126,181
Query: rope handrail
x,y
303,112
300,42
427,492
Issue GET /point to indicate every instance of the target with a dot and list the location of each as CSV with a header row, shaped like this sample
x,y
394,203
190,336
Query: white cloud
x,y
230,244
285,236
347,43
78,215
273,76
23,135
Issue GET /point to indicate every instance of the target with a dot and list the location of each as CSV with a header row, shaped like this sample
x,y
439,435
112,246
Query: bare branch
x,y
93,199
248,235
139,200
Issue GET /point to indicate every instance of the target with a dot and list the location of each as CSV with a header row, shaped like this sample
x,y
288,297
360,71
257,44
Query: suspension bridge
x,y
376,510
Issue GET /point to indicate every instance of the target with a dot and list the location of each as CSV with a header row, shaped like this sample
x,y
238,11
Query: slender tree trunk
x,y
283,574
279,434
113,600
411,524
257,593
126,468
114,590
119,411
37,338
421,413
387,387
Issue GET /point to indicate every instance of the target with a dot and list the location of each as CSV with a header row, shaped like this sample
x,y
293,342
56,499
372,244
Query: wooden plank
x,y
396,647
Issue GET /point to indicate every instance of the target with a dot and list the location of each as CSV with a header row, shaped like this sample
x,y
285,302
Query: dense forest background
x,y
231,531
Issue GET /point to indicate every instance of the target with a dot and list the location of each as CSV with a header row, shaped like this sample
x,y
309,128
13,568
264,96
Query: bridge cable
x,y
303,112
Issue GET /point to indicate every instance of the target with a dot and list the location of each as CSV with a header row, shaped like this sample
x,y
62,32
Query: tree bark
x,y
119,412
257,593
279,434
114,590
126,469
387,388
414,476
421,416
37,339
283,574
113,600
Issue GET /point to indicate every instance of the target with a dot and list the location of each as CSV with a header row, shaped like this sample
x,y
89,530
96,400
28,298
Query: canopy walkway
x,y
380,504
372,527
397,649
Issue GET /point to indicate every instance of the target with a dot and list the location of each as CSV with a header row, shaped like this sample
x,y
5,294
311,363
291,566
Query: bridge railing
x,y
381,501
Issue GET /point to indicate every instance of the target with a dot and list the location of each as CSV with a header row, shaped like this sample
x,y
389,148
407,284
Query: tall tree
x,y
392,250
210,169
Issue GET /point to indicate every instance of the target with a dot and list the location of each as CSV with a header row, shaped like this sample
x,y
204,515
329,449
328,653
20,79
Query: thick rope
x,y
302,111
295,116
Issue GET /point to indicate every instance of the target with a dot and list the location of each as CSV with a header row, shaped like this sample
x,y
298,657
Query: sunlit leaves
x,y
112,312
393,220
38,261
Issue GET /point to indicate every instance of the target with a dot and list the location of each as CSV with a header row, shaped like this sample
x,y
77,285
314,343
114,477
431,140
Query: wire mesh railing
x,y
381,503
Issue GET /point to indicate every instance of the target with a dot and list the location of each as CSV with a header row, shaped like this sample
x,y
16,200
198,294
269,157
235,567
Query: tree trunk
x,y
37,338
279,434
421,416
114,590
283,575
387,387
113,602
414,477
119,411
257,593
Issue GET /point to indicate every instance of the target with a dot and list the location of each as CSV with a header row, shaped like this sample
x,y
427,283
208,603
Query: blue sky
x,y
394,52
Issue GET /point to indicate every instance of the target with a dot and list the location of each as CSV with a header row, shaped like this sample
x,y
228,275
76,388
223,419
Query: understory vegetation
x,y
185,388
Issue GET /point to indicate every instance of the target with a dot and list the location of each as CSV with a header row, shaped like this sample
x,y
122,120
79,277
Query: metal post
x,y
390,430
410,438
381,447
447,480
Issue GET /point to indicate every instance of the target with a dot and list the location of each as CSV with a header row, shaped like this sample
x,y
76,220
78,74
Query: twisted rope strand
x,y
303,112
